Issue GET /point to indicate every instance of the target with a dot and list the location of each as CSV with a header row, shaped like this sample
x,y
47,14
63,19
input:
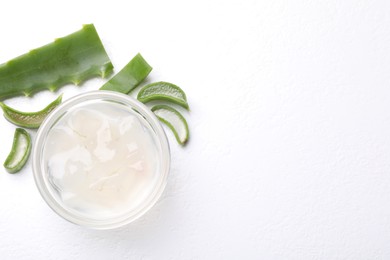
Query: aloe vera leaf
x,y
174,120
29,119
163,91
130,76
21,148
71,59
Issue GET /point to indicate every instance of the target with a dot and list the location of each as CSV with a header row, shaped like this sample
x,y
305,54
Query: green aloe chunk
x,y
29,119
130,76
174,120
20,151
163,91
71,59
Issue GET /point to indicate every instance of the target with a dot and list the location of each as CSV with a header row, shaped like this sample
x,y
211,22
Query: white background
x,y
289,155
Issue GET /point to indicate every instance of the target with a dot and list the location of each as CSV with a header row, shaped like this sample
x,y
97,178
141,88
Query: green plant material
x,y
174,120
130,76
163,91
20,151
29,119
71,59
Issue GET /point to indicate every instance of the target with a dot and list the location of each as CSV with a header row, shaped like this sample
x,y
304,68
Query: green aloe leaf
x,y
130,76
21,148
163,91
174,120
71,59
29,119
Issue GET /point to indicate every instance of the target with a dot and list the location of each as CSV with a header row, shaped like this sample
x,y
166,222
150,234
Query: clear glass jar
x,y
54,194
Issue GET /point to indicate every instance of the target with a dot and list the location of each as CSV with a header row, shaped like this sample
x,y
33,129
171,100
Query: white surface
x,y
290,120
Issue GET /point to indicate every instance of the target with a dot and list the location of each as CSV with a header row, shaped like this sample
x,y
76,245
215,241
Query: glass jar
x,y
92,178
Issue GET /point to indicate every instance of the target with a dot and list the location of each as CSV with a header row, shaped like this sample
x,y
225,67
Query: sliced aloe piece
x,y
29,119
163,91
20,151
70,59
130,76
174,120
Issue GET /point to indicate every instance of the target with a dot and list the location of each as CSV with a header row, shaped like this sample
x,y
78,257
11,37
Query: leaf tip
x,y
104,73
86,25
52,88
76,82
59,99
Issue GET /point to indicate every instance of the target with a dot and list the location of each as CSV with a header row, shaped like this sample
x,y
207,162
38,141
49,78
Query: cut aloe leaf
x,y
29,119
130,76
20,151
71,59
163,91
174,120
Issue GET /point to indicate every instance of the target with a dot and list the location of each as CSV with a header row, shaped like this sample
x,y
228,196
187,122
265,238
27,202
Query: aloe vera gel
x,y
102,160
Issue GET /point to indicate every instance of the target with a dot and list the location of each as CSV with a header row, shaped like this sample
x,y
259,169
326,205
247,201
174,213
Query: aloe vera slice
x,y
163,91
29,119
130,76
174,120
20,151
71,59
